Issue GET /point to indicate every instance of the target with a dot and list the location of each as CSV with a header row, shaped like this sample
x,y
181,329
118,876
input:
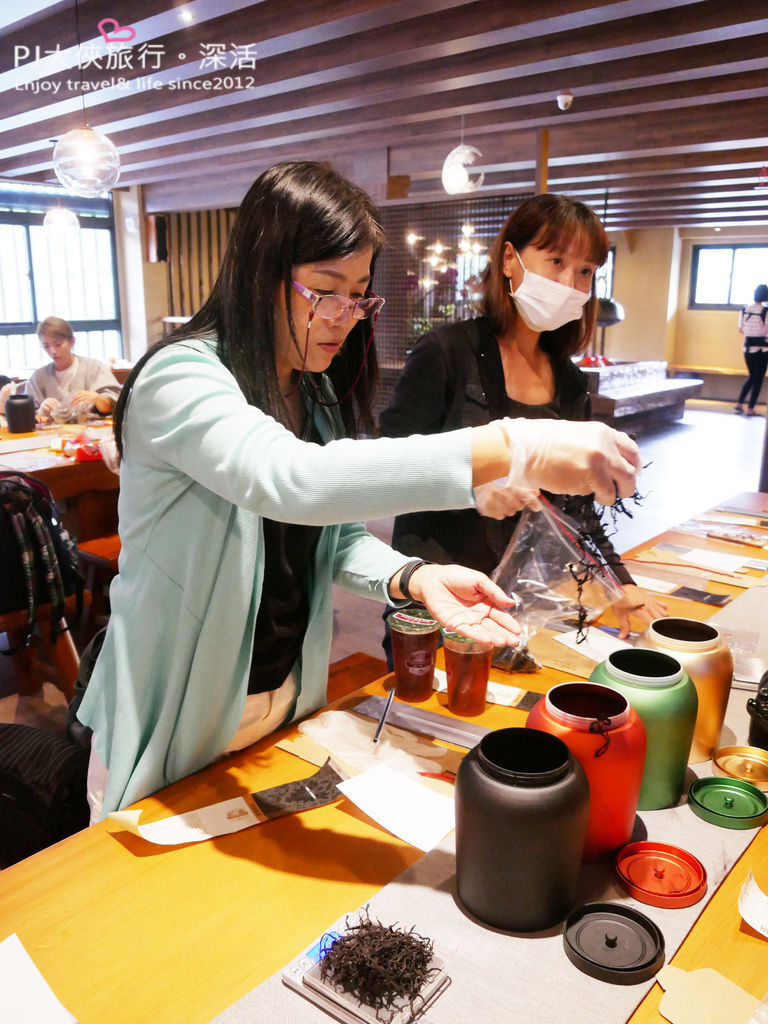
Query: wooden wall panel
x,y
196,243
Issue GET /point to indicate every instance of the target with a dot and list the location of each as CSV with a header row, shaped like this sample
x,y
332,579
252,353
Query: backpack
x,y
753,324
38,558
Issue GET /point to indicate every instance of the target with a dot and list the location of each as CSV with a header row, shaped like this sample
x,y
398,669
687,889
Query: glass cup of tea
x,y
414,636
467,664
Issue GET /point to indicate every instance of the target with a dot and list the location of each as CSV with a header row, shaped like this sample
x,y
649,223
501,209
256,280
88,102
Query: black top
x,y
283,614
454,378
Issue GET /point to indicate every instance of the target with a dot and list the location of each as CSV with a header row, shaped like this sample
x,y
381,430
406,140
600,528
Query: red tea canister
x,y
606,736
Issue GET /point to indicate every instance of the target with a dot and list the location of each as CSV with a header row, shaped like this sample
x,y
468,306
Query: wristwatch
x,y
405,577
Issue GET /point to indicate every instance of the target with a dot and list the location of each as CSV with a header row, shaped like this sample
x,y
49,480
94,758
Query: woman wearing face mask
x,y
513,361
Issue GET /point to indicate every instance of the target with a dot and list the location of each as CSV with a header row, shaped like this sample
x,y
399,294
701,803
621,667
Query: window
x,y
604,276
69,273
725,276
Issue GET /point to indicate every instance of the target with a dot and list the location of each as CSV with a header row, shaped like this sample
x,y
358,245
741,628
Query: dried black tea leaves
x,y
378,964
515,659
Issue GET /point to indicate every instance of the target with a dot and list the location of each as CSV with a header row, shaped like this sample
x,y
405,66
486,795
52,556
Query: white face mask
x,y
545,305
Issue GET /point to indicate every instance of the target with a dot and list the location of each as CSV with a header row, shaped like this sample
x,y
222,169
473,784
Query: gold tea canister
x,y
705,656
750,764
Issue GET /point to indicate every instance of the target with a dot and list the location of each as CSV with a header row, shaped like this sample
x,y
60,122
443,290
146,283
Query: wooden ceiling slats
x,y
668,112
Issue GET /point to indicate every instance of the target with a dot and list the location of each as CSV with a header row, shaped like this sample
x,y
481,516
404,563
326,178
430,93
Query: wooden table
x,y
85,492
128,932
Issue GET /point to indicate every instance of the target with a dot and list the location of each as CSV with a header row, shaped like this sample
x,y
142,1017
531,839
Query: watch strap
x,y
405,577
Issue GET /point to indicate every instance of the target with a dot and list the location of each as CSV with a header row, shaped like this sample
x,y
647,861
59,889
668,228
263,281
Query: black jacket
x,y
454,378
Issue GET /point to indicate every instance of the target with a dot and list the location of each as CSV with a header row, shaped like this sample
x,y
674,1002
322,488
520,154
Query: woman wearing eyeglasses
x,y
241,498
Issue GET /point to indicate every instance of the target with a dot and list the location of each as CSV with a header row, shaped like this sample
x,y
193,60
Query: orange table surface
x,y
125,931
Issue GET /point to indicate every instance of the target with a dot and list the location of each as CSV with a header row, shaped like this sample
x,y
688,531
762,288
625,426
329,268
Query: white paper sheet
x,y
649,583
721,561
401,805
753,905
25,444
348,737
722,517
497,693
193,827
597,646
25,996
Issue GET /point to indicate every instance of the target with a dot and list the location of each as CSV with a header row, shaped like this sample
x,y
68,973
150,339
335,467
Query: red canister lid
x,y
661,875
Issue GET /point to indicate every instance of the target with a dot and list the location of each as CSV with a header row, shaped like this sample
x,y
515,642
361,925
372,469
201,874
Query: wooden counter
x,y
128,932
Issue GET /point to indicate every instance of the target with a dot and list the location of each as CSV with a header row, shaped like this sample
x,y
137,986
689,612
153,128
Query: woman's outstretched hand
x,y
467,602
642,604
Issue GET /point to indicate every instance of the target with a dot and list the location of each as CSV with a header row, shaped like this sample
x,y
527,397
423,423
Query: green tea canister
x,y
661,692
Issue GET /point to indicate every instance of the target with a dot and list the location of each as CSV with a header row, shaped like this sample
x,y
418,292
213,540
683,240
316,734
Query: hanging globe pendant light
x,y
455,176
86,162
58,218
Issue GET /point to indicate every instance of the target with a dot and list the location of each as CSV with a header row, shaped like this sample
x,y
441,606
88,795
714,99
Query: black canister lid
x,y
613,943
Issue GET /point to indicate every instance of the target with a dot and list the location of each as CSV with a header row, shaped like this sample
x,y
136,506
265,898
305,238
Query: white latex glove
x,y
5,393
568,457
502,498
46,407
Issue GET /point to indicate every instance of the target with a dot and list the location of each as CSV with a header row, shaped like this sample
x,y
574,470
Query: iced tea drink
x,y
414,636
467,664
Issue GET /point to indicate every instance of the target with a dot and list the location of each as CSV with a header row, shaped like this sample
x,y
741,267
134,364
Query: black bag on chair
x,y
42,790
38,559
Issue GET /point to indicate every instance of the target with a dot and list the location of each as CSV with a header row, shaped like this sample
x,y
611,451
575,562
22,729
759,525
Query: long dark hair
x,y
294,213
545,221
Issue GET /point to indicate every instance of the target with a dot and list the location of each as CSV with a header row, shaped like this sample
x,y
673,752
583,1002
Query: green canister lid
x,y
412,620
730,803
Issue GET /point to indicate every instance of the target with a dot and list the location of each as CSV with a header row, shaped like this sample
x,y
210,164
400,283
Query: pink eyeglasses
x,y
331,307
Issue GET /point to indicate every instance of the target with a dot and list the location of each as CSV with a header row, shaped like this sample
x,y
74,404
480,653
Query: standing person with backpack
x,y
753,324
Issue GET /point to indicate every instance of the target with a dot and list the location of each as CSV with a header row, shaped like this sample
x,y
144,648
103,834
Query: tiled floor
x,y
708,456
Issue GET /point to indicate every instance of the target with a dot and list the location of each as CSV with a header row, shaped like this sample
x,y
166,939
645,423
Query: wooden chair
x,y
98,562
62,653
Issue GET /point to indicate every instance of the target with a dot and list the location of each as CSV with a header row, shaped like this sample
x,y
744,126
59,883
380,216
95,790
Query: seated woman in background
x,y
241,497
513,361
69,380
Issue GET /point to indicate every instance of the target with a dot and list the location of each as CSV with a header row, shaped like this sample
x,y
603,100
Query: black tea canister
x,y
757,707
522,805
20,414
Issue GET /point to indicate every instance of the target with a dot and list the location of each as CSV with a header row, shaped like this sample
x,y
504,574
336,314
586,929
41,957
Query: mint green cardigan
x,y
201,468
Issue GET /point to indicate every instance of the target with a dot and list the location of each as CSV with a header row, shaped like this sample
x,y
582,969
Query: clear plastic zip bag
x,y
553,571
